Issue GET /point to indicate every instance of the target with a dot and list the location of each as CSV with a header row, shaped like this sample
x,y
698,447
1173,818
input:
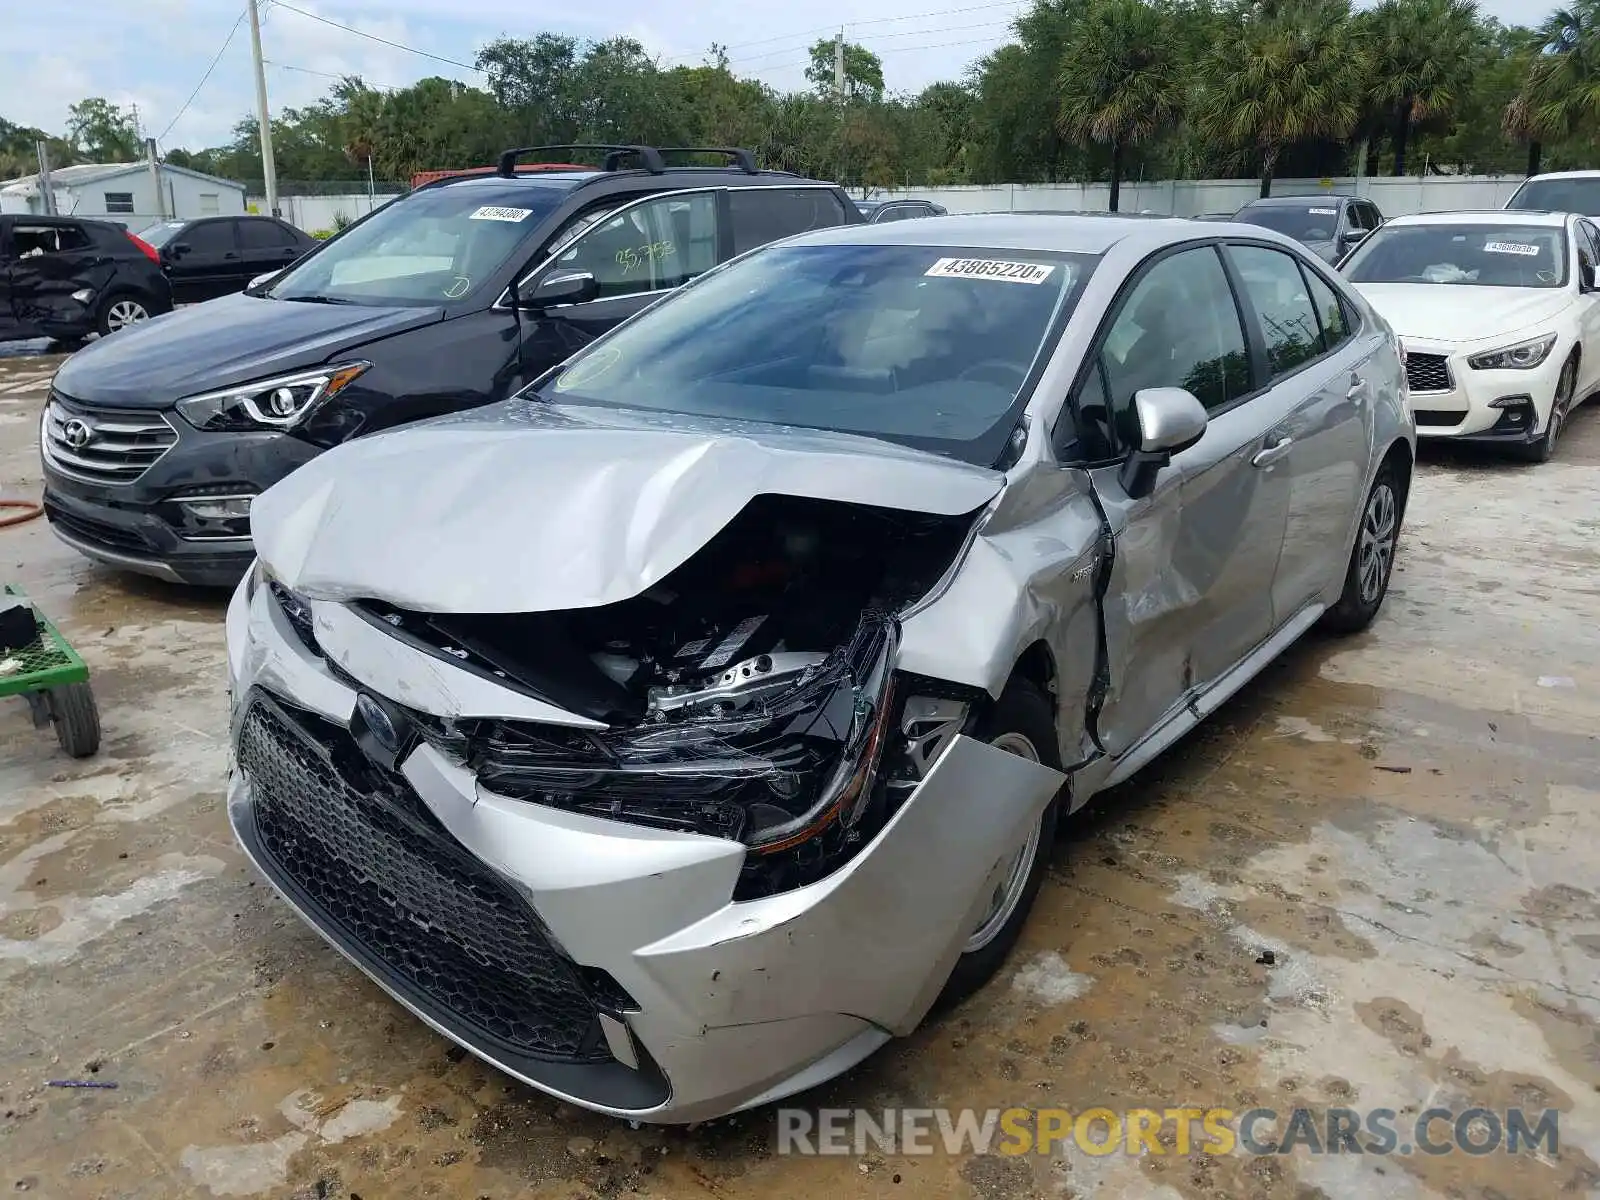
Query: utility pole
x,y
838,65
155,177
47,191
269,168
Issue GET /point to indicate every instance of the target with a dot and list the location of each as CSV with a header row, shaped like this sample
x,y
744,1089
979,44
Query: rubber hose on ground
x,y
28,511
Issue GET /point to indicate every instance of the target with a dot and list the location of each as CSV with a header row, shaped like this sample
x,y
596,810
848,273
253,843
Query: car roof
x,y
568,180
1562,175
1070,233
1485,216
1288,201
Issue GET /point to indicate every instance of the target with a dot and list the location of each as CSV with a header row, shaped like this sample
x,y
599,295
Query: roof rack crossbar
x,y
649,157
742,159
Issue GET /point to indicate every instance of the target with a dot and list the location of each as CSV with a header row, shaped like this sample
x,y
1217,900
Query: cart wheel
x,y
77,720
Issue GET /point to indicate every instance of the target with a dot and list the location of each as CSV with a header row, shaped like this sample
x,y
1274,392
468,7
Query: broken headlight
x,y
782,774
279,403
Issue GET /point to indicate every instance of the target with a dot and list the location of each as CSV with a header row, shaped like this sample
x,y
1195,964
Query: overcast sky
x,y
155,52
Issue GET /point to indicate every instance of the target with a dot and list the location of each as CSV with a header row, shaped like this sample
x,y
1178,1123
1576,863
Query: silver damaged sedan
x,y
676,732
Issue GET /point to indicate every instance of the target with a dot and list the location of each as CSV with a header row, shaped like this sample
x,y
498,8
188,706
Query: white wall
x,y
1192,197
313,213
186,197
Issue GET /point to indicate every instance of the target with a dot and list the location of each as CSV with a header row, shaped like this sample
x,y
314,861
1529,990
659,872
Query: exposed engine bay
x,y
749,695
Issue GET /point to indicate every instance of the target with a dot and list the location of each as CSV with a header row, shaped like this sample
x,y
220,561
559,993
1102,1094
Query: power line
x,y
216,58
375,38
364,81
877,37
849,25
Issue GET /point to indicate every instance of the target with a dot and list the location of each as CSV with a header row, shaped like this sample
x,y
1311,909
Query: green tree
x,y
1122,79
1283,75
1422,55
863,72
102,131
1560,95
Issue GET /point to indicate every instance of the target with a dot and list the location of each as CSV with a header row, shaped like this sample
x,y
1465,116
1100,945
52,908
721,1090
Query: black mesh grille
x,y
1427,372
98,533
359,843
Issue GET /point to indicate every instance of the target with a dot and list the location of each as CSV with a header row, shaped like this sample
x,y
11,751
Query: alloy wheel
x,y
1016,867
1378,527
125,312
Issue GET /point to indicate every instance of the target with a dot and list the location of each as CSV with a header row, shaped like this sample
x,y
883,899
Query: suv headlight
x,y
1519,357
279,403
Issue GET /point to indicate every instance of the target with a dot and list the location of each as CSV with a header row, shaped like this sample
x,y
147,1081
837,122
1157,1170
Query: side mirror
x,y
1351,236
562,287
1586,276
178,249
261,279
1170,421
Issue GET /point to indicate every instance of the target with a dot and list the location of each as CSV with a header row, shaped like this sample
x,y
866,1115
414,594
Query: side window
x,y
263,235
1179,327
1277,291
1590,240
652,247
209,237
1335,328
762,215
30,241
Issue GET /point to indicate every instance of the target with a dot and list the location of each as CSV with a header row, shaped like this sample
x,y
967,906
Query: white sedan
x,y
1499,314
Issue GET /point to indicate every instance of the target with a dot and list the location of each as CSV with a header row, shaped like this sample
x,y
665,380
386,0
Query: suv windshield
x,y
1309,223
1558,195
431,247
1489,255
929,347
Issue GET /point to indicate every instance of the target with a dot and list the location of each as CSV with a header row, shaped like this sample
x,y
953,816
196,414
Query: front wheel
x,y
120,311
1543,449
1366,580
1020,723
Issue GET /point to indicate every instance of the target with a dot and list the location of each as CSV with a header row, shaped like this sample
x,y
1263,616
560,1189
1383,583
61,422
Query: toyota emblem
x,y
77,434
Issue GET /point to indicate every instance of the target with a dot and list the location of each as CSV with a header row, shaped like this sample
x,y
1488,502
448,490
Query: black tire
x,y
1359,603
1543,449
1022,710
76,717
113,308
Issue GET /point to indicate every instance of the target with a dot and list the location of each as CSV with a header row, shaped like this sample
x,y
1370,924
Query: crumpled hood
x,y
229,340
1447,312
529,507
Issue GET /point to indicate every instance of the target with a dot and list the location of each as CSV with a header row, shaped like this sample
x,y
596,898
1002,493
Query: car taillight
x,y
146,248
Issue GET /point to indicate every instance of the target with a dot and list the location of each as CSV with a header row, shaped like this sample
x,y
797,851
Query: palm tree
x,y
1122,79
1287,75
1422,59
1561,93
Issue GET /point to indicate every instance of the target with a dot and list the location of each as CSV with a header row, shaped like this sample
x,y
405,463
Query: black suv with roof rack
x,y
156,441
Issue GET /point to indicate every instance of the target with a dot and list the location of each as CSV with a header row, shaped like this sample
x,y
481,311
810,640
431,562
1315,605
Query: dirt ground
x,y
1372,881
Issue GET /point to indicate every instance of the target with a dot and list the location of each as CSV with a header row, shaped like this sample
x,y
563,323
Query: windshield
x,y
430,247
1490,255
160,234
1311,223
1558,195
929,347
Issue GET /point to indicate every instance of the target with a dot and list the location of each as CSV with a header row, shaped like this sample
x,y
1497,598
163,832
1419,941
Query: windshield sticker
x,y
990,268
1323,212
491,212
1510,248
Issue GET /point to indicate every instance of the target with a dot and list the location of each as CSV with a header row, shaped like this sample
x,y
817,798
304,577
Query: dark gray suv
x,y
1328,226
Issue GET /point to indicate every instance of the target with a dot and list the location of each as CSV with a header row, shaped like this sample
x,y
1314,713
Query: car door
x,y
202,261
10,326
51,260
1588,243
758,215
1190,587
637,253
264,246
1319,376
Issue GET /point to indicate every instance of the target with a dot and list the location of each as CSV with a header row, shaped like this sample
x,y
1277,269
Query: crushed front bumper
x,y
700,1005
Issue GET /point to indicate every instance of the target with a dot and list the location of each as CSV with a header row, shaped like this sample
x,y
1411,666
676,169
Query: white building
x,y
125,193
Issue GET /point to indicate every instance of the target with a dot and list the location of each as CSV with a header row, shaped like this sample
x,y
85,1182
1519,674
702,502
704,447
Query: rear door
x,y
10,325
50,261
1322,410
203,261
758,215
264,245
1190,587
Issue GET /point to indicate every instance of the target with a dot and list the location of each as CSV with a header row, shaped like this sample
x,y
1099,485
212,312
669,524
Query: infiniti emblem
x,y
378,723
77,434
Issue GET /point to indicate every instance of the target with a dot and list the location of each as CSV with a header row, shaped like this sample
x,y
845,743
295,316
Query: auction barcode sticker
x,y
490,212
990,268
1510,248
1323,212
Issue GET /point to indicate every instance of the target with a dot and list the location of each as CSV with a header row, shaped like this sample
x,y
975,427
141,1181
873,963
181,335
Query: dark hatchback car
x,y
1328,226
213,256
155,442
67,277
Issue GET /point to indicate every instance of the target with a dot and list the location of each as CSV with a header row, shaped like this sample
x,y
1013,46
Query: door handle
x,y
1270,455
1357,390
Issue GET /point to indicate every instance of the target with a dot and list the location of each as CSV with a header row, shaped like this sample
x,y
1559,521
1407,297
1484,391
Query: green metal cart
x,y
53,679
